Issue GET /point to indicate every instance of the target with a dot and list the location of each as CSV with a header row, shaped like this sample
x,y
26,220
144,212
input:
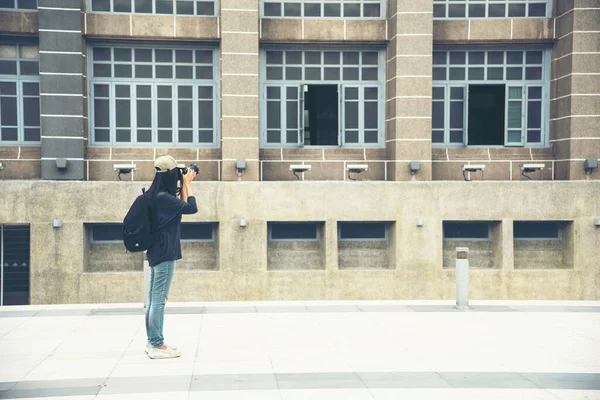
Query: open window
x,y
489,98
322,98
320,115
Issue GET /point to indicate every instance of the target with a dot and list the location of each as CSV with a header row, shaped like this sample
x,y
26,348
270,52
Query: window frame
x,y
543,82
215,14
386,226
506,3
283,84
154,83
19,80
382,9
272,223
20,9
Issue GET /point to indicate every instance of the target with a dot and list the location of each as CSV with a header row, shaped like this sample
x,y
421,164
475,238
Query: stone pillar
x,y
575,91
240,88
62,71
408,106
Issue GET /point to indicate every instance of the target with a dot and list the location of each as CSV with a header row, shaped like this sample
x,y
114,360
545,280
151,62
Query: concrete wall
x,y
408,35
363,255
416,271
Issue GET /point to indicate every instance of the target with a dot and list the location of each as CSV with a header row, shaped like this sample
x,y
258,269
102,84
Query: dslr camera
x,y
193,167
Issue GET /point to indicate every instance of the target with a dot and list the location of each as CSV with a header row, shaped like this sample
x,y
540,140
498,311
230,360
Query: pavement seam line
x,y
202,313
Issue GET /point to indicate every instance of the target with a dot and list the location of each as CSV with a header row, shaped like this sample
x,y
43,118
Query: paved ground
x,y
312,351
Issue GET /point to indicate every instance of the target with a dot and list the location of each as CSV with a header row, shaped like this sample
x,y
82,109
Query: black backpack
x,y
137,226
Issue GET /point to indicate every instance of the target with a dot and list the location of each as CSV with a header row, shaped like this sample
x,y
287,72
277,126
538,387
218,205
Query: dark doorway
x,y
321,115
486,115
14,257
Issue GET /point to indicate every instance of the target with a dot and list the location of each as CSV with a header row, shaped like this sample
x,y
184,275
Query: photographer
x,y
166,211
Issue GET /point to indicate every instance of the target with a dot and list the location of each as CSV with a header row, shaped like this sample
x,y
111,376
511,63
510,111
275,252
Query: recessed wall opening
x,y
105,251
365,245
481,237
486,115
199,246
296,246
321,115
543,244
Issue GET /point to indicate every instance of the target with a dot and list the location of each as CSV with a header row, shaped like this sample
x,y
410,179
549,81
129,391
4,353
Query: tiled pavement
x,y
306,350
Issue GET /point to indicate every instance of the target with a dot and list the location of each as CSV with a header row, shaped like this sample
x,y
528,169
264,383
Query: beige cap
x,y
164,164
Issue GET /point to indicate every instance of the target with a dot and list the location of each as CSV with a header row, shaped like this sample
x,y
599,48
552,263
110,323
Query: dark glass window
x,y
466,230
524,230
107,232
362,230
197,231
294,231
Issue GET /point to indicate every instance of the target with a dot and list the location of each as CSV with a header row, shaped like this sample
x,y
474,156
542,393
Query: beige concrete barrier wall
x,y
59,256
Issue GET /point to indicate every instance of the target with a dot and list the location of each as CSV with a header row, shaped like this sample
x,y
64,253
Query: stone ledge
x,y
470,31
18,22
151,26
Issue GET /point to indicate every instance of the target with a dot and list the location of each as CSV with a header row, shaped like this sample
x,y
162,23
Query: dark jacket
x,y
166,219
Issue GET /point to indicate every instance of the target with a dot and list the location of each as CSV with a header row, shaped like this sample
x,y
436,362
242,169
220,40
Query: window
x,y
198,232
106,233
153,97
490,98
546,230
362,231
322,98
14,264
449,9
297,231
466,230
18,5
323,8
19,95
169,7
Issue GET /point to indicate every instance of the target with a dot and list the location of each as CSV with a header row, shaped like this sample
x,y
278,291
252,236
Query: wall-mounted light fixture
x,y
467,169
62,163
590,165
1,166
597,221
529,168
420,222
356,169
123,169
296,169
414,166
56,223
240,167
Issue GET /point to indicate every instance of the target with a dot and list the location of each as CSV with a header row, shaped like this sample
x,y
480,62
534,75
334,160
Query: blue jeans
x,y
160,283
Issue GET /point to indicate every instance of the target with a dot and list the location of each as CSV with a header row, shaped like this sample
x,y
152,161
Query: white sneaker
x,y
150,347
156,353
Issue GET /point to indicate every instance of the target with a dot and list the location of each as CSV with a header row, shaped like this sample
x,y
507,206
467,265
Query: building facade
x,y
345,147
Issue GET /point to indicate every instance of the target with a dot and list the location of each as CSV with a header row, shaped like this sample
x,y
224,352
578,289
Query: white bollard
x,y
147,275
462,278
